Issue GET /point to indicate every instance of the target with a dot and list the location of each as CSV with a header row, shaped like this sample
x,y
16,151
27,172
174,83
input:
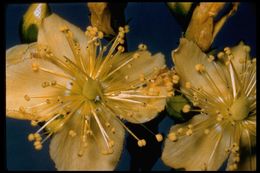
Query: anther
x,y
27,98
172,137
159,137
227,50
113,130
189,132
220,55
107,124
136,55
22,109
141,143
111,143
175,79
142,47
34,123
126,77
45,84
100,35
199,68
72,133
31,137
220,117
186,108
35,67
180,130
190,126
211,58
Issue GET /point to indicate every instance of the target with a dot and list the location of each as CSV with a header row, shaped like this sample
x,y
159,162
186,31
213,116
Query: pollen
x,y
31,137
72,133
35,67
220,55
142,47
141,143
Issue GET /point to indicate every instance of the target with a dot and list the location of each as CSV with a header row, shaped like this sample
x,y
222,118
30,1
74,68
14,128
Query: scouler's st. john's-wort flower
x,y
80,92
224,88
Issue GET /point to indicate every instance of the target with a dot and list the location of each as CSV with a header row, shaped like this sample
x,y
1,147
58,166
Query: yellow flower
x,y
224,88
81,92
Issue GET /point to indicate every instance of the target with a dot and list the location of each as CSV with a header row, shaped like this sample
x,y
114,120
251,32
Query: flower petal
x,y
21,80
186,57
64,148
50,34
130,73
199,151
121,81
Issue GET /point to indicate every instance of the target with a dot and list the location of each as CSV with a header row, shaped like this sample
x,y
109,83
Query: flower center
x,y
240,108
91,89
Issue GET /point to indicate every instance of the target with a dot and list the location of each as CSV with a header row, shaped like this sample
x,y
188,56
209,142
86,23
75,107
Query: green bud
x,y
175,105
31,21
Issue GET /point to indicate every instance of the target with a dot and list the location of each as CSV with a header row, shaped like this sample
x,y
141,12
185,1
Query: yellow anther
x,y
121,29
45,84
230,57
121,41
186,108
199,68
121,49
27,98
129,65
188,85
172,137
236,159
37,143
220,117
113,130
190,126
140,143
95,29
100,35
159,137
189,132
22,109
34,123
142,47
35,67
136,55
220,55
126,77
227,62
111,143
211,58
227,50
38,147
143,142
107,124
72,133
175,79
206,131
180,130
232,167
31,137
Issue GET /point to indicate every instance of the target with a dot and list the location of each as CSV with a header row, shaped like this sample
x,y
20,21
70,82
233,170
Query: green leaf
x,y
174,106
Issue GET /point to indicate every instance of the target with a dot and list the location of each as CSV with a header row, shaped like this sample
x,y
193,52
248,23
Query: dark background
x,y
152,24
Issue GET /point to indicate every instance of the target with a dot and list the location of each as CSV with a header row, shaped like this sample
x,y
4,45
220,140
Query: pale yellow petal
x,y
186,57
199,151
64,148
21,80
131,73
128,104
50,34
